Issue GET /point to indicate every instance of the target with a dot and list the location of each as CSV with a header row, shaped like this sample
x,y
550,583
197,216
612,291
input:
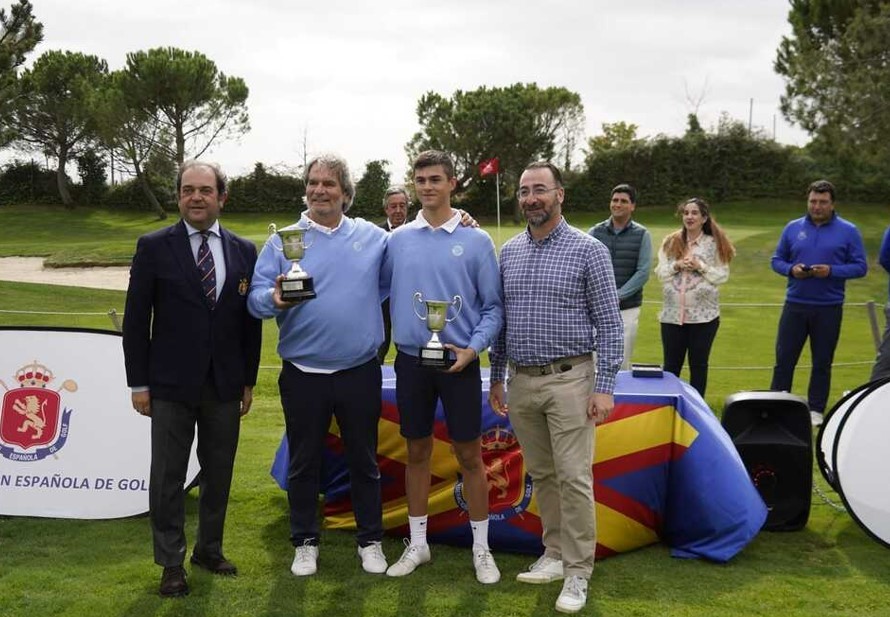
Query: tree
x,y
518,124
130,131
197,103
20,32
616,136
693,126
369,190
836,66
91,168
53,113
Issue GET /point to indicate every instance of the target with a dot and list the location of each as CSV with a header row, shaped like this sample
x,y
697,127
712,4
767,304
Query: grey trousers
x,y
173,426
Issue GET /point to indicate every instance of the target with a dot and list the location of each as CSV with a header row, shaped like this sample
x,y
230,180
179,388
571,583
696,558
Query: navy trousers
x,y
309,401
822,325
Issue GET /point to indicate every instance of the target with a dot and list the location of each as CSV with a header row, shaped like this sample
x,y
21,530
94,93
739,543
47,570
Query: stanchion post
x,y
873,321
115,320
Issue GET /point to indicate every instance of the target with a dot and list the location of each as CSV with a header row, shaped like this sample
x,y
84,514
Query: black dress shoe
x,y
217,565
173,583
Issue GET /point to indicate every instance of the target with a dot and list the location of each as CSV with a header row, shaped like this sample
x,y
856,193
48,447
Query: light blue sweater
x,y
342,327
441,264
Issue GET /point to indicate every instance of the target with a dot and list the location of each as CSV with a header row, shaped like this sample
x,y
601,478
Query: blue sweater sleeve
x,y
269,265
385,271
884,254
491,294
781,261
854,266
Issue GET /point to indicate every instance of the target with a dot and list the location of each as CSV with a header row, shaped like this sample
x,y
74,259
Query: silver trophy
x,y
297,284
434,354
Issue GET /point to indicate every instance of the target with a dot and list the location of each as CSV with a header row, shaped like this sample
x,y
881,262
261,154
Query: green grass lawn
x,y
99,568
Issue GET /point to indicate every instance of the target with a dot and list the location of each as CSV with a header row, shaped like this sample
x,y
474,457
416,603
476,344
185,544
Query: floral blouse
x,y
692,296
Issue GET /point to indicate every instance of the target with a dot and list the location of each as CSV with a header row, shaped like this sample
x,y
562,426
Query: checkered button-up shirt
x,y
560,301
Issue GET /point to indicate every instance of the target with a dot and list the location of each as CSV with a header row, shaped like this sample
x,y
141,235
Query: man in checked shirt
x,y
561,305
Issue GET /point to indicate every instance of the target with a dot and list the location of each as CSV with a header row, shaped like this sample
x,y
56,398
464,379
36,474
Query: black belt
x,y
560,365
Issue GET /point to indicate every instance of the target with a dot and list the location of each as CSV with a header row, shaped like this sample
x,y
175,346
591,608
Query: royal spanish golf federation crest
x,y
33,424
509,485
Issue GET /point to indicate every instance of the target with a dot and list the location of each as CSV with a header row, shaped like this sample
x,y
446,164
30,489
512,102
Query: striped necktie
x,y
207,268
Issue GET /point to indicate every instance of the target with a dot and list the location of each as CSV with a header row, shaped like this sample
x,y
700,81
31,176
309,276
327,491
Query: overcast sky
x,y
349,73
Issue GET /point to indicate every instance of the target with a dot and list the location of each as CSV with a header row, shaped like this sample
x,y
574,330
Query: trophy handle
x,y
306,235
273,231
456,301
418,297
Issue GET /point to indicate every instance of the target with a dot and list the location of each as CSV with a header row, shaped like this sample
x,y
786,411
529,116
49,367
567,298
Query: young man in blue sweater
x,y
818,253
328,346
437,257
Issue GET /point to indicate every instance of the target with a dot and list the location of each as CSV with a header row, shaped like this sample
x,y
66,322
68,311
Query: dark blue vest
x,y
624,247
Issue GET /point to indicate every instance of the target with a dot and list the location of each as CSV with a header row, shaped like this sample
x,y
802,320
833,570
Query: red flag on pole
x,y
486,168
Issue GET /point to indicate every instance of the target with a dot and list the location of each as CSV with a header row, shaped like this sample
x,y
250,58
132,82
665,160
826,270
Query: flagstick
x,y
497,189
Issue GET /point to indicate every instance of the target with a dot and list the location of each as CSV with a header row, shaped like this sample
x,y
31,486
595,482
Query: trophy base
x,y
434,357
296,290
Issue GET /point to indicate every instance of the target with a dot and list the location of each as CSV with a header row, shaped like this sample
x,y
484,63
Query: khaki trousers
x,y
549,416
631,319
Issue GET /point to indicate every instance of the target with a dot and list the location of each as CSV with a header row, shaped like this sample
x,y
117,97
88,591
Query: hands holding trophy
x,y
297,285
434,354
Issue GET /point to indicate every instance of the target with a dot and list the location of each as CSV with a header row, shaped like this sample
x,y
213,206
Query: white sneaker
x,y
573,596
544,570
305,558
373,559
816,418
413,556
487,571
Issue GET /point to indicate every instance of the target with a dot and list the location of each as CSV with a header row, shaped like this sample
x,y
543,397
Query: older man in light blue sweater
x,y
328,347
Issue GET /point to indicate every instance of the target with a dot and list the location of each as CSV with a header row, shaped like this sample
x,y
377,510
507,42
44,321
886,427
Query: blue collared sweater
x,y
836,243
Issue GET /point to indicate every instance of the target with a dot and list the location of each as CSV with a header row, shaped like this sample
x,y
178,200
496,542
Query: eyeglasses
x,y
538,191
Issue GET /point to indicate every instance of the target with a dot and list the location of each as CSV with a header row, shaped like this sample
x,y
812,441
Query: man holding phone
x,y
818,253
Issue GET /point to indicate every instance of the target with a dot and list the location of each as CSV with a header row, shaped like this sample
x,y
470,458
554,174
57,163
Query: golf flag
x,y
488,167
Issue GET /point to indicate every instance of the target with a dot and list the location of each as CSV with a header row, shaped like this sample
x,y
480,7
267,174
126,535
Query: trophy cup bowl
x,y
434,354
297,284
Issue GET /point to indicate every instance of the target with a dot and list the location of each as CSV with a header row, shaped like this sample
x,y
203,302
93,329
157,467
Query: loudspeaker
x,y
773,435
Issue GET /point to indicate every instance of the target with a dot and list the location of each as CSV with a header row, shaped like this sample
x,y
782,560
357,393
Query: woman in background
x,y
692,262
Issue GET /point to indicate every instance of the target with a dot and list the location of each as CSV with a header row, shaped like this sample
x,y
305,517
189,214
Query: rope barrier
x,y
115,319
762,304
51,313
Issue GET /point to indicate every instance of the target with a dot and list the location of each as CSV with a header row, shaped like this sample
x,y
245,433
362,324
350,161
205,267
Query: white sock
x,y
417,526
480,533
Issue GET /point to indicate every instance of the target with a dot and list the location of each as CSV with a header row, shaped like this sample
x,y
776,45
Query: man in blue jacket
x,y
818,253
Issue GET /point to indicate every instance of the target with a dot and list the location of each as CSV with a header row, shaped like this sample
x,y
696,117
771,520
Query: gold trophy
x,y
434,354
297,284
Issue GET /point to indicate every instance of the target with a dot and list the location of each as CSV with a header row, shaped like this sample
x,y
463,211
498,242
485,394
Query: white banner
x,y
71,445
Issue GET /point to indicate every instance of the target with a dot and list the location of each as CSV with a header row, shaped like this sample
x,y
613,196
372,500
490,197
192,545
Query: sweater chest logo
x,y
457,250
357,246
802,235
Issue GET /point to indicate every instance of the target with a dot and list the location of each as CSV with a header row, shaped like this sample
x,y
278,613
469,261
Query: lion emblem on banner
x,y
33,424
509,486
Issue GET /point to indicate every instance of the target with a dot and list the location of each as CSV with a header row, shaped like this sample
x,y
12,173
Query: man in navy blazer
x,y
192,354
